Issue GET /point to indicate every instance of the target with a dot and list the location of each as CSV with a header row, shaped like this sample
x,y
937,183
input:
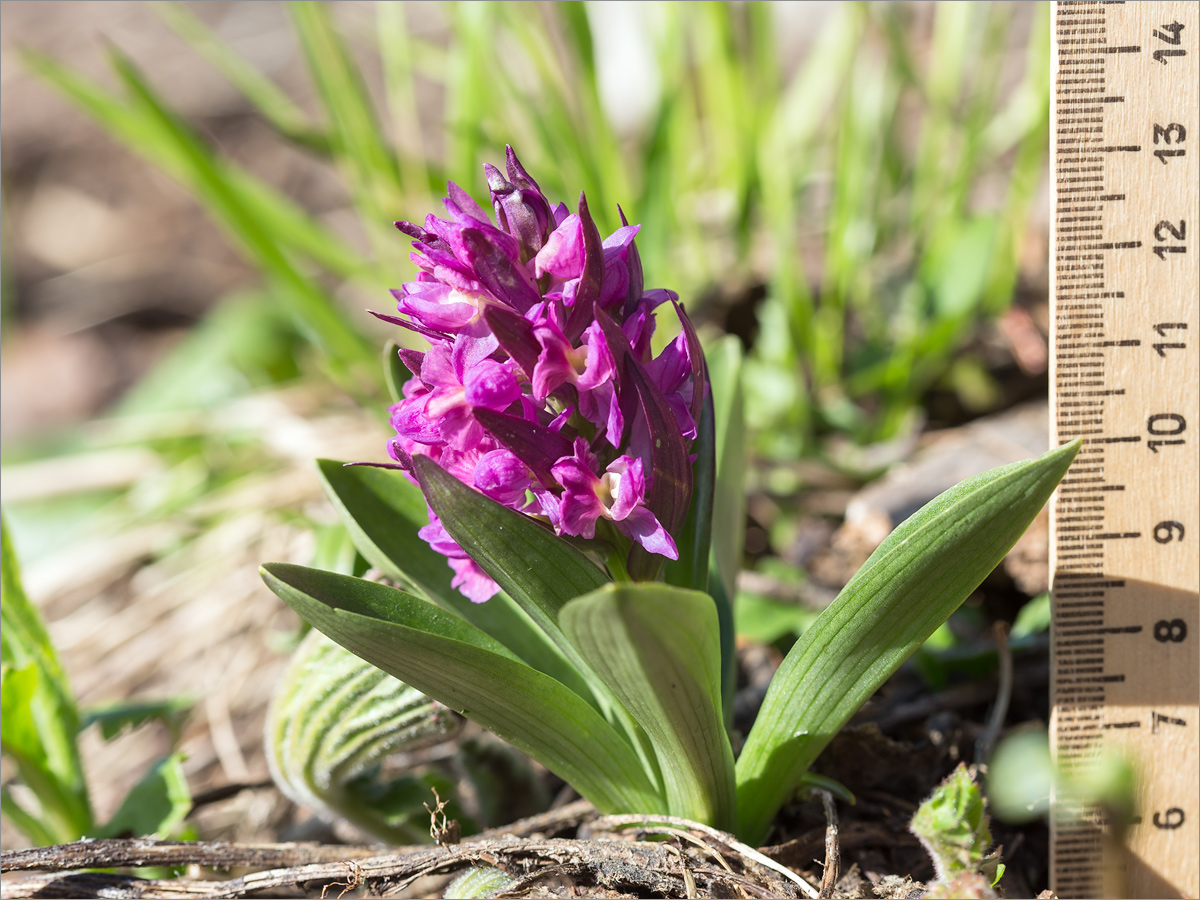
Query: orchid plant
x,y
548,522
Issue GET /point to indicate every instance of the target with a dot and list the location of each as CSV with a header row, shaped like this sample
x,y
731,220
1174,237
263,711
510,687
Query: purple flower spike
x,y
619,495
521,210
586,367
540,388
503,477
562,254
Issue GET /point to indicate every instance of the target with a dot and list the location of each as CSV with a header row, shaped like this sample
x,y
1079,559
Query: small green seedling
x,y
953,827
39,726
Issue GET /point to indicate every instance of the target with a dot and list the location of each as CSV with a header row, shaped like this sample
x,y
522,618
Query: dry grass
x,y
176,608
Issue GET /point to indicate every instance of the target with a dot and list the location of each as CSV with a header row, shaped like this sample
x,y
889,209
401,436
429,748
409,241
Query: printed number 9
x,y
1173,818
1165,532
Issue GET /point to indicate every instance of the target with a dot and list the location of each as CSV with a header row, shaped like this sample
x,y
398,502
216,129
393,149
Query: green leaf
x,y
114,718
287,221
480,882
460,666
332,719
764,620
724,365
952,824
24,820
383,511
729,498
657,648
24,638
538,570
694,540
157,803
1033,618
911,584
38,718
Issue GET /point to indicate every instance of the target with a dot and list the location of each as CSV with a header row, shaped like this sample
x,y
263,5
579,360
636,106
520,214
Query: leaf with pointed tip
x,y
658,649
515,334
695,537
537,569
911,584
458,665
724,366
383,511
115,718
533,444
39,720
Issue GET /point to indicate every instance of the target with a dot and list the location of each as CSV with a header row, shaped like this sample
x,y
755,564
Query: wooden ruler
x,y
1125,290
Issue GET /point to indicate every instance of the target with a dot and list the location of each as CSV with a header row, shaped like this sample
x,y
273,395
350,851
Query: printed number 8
x,y
1173,631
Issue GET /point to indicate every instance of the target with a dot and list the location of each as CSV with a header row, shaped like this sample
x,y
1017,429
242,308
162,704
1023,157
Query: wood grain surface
x,y
1125,149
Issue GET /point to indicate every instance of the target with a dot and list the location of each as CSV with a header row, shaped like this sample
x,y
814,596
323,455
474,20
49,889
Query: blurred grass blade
x,y
24,821
397,51
911,584
322,322
287,222
658,649
383,511
246,341
460,666
38,717
357,138
1027,118
274,105
395,373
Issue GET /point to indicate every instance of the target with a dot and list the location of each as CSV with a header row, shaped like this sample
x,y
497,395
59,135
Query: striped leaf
x,y
333,717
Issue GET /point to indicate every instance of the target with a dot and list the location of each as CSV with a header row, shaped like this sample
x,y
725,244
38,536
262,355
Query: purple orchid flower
x,y
618,495
539,387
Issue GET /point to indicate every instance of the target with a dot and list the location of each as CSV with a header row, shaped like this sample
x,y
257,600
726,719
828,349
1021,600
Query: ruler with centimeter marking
x,y
1125,290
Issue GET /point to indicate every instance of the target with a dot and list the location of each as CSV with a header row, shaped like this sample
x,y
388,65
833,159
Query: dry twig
x,y
610,864
649,823
833,855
